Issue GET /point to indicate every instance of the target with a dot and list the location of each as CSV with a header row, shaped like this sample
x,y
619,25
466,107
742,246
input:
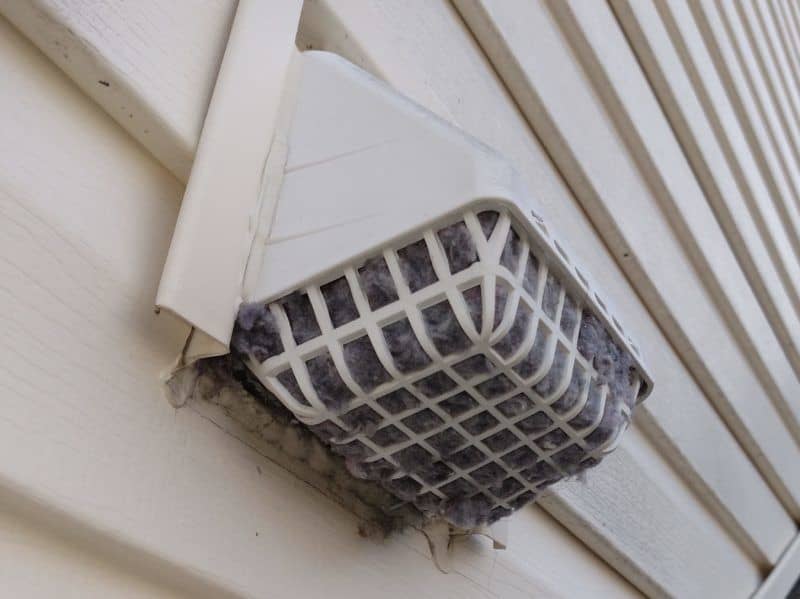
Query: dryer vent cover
x,y
404,301
462,367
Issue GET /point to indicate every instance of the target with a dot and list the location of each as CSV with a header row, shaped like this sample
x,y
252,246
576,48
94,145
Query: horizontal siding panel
x,y
731,53
772,36
86,218
680,509
28,549
134,47
603,162
782,13
748,134
671,183
737,213
758,44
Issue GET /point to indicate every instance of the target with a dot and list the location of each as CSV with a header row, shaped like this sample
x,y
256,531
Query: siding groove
x,y
723,183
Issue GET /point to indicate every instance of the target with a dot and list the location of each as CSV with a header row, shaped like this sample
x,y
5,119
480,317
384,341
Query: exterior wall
x,y
662,143
27,551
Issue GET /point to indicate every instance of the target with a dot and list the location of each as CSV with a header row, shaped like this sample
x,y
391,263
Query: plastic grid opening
x,y
455,369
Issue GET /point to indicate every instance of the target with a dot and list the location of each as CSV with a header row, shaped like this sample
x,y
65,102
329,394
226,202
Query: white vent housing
x,y
404,301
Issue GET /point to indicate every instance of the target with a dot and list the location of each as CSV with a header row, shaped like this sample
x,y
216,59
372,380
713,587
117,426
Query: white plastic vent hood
x,y
386,277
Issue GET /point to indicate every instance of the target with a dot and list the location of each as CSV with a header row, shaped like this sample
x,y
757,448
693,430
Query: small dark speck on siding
x,y
106,83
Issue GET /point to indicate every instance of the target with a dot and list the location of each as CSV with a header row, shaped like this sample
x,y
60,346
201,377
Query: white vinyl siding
x,y
661,140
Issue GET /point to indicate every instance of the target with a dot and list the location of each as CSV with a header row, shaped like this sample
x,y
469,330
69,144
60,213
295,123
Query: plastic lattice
x,y
456,369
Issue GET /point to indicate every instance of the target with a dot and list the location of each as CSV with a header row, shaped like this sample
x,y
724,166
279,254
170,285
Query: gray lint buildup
x,y
255,415
456,371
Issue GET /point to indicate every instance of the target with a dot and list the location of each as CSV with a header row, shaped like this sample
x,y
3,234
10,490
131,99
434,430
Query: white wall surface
x,y
36,562
624,117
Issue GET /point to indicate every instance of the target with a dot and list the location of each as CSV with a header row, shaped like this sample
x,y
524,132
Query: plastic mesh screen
x,y
456,369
